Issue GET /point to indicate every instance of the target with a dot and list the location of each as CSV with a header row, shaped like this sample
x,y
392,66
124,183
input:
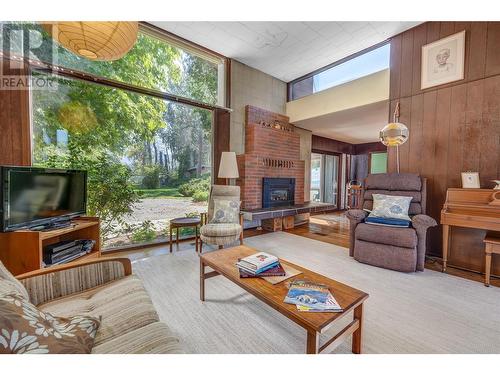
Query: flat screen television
x,y
40,198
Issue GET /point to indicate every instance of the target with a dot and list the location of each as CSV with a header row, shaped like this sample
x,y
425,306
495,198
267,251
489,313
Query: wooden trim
x,y
88,77
148,245
127,266
15,140
221,125
227,71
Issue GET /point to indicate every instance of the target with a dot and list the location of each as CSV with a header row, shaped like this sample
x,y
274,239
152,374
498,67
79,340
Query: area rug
x,y
426,312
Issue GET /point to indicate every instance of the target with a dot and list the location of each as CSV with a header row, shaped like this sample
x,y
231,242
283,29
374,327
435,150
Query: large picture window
x,y
141,126
148,160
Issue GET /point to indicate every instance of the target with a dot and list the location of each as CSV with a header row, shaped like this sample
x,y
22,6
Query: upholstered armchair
x,y
400,249
221,234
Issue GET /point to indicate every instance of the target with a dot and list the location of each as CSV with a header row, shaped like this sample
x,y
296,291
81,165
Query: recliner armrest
x,y
422,222
356,215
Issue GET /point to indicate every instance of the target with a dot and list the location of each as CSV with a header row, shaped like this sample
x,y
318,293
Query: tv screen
x,y
35,197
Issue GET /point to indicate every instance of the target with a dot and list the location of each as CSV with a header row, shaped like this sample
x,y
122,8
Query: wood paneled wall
x,y
15,142
366,148
328,145
453,127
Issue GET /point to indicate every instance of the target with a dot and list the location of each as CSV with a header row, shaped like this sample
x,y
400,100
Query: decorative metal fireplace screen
x,y
277,192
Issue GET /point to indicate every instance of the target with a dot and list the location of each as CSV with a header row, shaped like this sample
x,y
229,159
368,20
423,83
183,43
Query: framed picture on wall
x,y
443,61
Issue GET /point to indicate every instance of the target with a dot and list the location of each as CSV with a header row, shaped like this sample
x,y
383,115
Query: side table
x,y
184,222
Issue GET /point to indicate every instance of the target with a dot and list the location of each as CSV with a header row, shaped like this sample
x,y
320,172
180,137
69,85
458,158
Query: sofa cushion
x,y
123,305
221,230
27,330
9,284
155,338
400,237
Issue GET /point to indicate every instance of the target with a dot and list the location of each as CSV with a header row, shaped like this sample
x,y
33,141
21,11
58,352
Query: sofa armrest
x,y
58,281
421,223
356,215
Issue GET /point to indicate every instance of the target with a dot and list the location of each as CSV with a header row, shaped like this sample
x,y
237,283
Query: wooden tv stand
x,y
22,251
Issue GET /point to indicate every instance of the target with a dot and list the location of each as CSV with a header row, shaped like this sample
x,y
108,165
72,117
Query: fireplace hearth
x,y
278,192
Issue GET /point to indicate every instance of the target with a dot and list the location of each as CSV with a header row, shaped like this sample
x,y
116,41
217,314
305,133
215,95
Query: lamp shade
x,y
394,134
100,41
228,167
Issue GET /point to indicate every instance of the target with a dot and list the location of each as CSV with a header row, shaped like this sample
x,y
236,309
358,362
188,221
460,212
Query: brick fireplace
x,y
272,150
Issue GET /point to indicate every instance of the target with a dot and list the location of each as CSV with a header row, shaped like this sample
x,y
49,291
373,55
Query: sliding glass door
x,y
325,178
331,173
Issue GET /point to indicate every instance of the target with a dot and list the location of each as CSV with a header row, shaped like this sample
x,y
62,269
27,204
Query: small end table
x,y
184,222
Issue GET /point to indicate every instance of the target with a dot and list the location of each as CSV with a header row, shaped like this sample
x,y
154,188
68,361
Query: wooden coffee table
x,y
223,263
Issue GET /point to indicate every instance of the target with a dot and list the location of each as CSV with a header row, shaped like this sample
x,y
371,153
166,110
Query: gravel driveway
x,y
159,211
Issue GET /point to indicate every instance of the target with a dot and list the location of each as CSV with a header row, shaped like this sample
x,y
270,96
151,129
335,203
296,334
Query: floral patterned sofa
x,y
103,288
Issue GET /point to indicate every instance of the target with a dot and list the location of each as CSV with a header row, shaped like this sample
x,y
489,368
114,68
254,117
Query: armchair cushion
x,y
400,237
9,284
226,211
224,192
221,230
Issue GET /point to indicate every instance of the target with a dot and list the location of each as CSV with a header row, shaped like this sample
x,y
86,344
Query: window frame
x,y
290,84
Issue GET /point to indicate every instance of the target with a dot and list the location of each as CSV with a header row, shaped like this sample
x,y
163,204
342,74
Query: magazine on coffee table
x,y
311,297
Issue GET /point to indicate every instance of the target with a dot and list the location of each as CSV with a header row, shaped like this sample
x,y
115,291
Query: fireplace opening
x,y
278,192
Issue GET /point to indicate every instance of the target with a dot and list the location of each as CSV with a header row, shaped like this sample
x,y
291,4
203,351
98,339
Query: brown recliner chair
x,y
400,249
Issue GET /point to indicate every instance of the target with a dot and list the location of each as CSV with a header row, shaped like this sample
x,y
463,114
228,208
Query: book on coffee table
x,y
257,262
277,270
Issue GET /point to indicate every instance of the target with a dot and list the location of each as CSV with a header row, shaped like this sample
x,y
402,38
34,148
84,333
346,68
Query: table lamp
x,y
394,134
228,167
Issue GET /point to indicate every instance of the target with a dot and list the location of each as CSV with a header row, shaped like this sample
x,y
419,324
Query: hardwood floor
x,y
332,228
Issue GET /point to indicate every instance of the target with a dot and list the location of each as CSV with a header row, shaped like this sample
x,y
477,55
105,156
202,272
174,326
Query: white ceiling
x,y
286,50
355,125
